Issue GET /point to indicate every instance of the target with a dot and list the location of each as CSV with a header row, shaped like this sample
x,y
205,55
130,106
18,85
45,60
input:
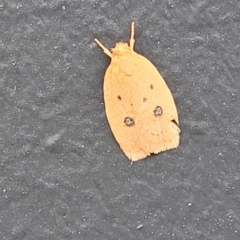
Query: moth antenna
x,y
105,50
132,41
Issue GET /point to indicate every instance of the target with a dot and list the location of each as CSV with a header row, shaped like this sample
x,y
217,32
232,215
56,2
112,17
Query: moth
x,y
139,105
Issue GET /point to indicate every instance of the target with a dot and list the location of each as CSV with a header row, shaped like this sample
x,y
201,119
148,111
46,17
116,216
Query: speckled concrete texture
x,y
62,174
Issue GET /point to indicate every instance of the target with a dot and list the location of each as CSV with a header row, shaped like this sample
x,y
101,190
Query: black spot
x,y
174,122
119,97
151,86
129,121
144,99
158,111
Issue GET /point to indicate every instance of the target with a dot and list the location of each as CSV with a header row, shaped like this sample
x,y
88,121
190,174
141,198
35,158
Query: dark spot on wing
x,y
174,122
158,111
129,121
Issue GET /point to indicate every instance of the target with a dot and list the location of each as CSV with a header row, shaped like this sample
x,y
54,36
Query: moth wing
x,y
159,129
134,88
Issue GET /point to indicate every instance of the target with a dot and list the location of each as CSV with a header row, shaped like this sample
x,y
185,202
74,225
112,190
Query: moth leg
x,y
105,50
132,41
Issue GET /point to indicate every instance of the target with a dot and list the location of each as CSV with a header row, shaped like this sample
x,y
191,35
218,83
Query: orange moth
x,y
139,105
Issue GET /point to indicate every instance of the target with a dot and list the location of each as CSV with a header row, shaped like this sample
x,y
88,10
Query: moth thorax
x,y
121,49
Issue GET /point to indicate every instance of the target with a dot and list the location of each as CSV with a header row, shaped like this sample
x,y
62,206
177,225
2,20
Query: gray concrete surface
x,y
63,176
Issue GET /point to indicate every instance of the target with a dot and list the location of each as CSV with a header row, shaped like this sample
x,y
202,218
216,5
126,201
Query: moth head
x,y
120,49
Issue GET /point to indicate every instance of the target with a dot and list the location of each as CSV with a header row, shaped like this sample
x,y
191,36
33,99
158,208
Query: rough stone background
x,y
63,176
